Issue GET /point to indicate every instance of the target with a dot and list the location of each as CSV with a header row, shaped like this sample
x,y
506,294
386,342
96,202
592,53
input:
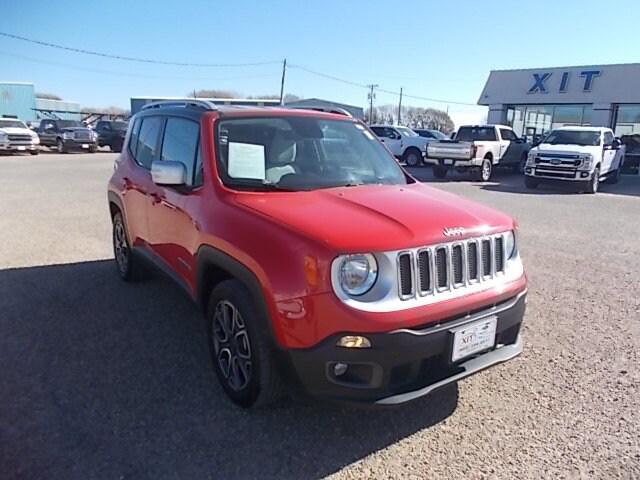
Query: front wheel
x,y
519,167
60,146
412,157
241,353
594,183
34,152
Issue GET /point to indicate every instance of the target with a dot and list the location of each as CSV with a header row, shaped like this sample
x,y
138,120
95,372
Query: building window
x,y
627,120
535,120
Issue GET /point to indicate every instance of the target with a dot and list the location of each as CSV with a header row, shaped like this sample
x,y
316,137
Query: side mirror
x,y
616,143
168,173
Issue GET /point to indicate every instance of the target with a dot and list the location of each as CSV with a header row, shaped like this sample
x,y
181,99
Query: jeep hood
x,y
372,218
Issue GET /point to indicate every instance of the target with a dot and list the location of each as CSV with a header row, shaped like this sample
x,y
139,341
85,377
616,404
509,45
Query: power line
x,y
132,59
330,77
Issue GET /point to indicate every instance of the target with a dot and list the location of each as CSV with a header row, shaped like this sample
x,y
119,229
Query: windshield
x,y
119,125
69,123
12,124
479,134
302,153
573,137
407,132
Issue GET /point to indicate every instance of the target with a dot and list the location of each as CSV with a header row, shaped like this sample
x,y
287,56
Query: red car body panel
x,y
288,240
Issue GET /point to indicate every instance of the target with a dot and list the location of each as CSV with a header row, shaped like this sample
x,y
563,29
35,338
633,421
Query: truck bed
x,y
450,149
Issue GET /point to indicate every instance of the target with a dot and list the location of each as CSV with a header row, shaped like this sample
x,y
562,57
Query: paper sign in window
x,y
246,160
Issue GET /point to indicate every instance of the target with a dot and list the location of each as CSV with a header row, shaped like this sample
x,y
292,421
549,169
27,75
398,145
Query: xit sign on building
x,y
601,87
587,84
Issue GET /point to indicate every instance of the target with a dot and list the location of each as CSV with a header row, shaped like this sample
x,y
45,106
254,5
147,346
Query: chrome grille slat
x,y
454,265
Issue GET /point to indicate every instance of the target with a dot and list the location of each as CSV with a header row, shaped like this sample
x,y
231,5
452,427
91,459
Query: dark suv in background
x,y
111,133
67,135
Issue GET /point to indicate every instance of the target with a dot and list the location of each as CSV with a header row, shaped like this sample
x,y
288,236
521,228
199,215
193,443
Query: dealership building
x,y
20,100
534,101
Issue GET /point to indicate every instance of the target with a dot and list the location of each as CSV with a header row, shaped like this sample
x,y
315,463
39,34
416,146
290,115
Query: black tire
x,y
615,178
530,183
93,149
439,171
412,157
116,146
594,183
238,336
127,266
60,146
34,152
483,174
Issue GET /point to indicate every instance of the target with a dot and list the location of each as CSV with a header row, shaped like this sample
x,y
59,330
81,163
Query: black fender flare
x,y
208,255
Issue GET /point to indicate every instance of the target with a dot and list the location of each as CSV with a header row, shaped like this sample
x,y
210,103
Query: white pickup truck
x,y
402,142
583,155
478,148
15,136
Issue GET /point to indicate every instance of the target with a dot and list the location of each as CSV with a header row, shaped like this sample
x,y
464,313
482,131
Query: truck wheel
x,y
412,157
519,167
439,172
116,147
241,353
34,152
594,183
615,178
60,146
93,149
483,174
530,183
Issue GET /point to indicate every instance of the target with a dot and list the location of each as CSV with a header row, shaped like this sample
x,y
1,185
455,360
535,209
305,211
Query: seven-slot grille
x,y
82,135
432,270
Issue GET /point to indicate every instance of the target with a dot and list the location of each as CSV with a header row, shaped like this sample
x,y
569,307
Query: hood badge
x,y
454,231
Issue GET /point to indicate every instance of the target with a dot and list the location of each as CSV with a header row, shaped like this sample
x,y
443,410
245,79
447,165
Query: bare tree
x,y
213,94
48,96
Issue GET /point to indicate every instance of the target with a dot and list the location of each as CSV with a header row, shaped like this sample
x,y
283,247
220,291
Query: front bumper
x,y
19,147
405,364
72,144
550,173
454,163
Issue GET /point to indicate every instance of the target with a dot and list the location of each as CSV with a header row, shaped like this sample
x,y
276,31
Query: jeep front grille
x,y
455,265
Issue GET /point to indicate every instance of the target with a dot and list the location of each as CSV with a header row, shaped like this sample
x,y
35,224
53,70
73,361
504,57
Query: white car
x,y
478,148
15,136
402,142
584,155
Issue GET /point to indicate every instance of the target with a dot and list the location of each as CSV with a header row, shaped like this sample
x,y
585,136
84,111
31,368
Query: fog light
x,y
340,369
527,170
354,341
584,174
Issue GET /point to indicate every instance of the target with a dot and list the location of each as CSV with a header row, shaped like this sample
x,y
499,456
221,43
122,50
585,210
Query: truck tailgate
x,y
452,150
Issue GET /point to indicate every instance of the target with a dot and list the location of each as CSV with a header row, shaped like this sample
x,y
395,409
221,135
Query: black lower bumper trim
x,y
405,364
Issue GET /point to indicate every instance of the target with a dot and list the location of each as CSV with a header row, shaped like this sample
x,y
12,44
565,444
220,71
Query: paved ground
x,y
105,380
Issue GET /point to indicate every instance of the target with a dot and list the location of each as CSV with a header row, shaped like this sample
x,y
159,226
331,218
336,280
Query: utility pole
x,y
400,106
371,97
284,71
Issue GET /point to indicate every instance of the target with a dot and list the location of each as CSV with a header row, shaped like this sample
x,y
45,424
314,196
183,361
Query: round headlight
x,y
358,273
510,244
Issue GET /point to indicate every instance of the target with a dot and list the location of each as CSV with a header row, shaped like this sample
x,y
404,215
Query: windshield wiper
x,y
259,185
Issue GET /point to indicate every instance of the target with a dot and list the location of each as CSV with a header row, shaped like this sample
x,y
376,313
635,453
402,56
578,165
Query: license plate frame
x,y
448,162
21,148
473,337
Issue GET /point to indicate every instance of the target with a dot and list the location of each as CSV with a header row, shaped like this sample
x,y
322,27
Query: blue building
x,y
18,99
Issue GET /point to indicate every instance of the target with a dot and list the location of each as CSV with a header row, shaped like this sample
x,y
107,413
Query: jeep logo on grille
x,y
454,231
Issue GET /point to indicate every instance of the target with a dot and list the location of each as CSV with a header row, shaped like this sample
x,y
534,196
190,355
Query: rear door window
x,y
147,145
507,134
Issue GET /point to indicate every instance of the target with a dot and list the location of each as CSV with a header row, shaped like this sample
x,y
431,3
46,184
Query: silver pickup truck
x,y
478,148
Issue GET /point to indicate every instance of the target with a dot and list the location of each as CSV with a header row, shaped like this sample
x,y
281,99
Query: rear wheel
x,y
116,146
412,157
483,174
127,266
615,177
241,352
530,183
439,172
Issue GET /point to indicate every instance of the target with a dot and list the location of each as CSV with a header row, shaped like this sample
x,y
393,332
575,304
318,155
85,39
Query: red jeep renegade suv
x,y
314,256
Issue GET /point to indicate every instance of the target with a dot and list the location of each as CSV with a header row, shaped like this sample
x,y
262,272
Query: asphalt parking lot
x,y
106,380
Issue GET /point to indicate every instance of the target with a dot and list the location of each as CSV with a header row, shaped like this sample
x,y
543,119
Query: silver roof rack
x,y
186,103
338,110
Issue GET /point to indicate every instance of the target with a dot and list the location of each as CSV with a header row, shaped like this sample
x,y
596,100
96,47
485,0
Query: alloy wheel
x,y
231,345
486,170
120,246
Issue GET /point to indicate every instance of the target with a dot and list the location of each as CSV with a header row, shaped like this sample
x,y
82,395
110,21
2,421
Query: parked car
x,y
478,148
67,135
15,136
583,155
631,144
313,254
111,133
432,134
402,142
